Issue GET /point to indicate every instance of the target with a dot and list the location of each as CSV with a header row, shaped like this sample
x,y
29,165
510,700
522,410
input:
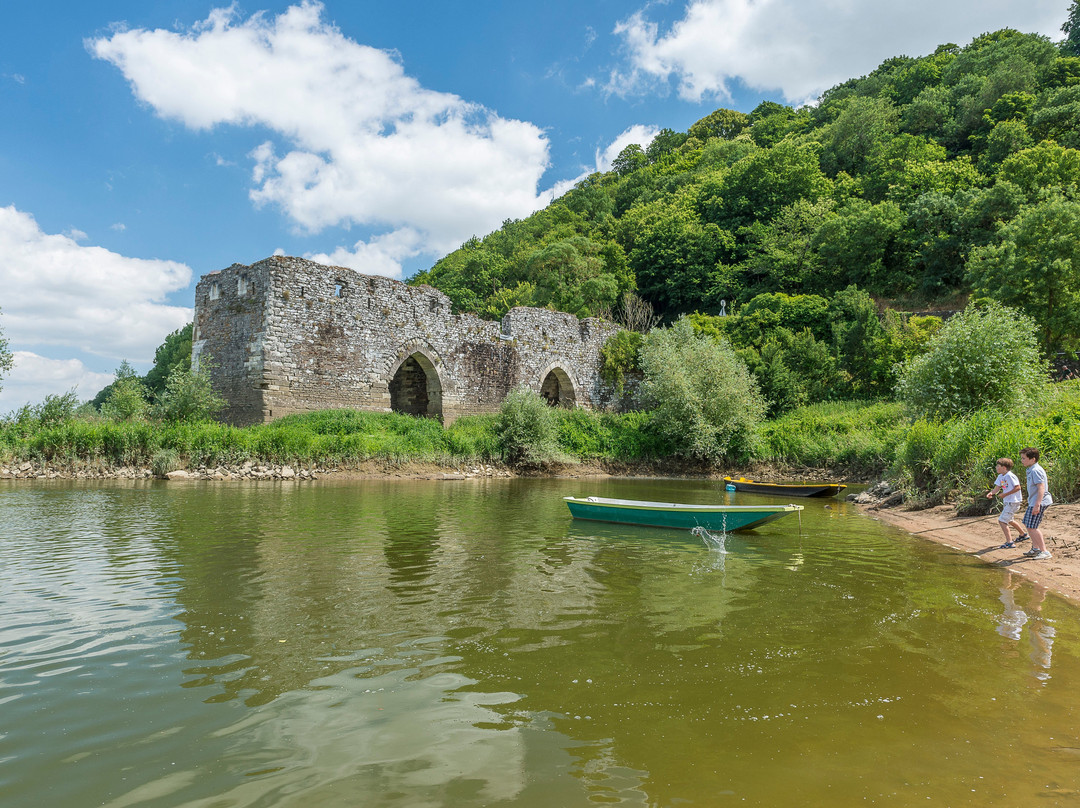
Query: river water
x,y
423,643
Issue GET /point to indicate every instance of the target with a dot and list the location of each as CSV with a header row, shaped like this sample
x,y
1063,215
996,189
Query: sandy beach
x,y
982,537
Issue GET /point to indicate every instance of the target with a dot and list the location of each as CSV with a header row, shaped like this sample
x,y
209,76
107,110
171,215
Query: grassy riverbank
x,y
852,438
935,461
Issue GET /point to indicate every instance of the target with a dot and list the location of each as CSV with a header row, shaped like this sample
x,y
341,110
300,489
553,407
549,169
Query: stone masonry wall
x,y
287,335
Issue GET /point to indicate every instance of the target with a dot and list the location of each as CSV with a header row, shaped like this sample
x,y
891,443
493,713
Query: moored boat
x,y
785,489
676,514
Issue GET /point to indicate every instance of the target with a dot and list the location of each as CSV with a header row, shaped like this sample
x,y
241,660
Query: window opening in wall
x,y
339,290
242,285
215,291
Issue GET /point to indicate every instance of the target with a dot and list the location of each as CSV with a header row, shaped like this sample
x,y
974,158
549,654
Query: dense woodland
x,y
932,181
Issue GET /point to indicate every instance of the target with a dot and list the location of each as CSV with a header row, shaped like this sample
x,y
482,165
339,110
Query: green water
x,y
415,643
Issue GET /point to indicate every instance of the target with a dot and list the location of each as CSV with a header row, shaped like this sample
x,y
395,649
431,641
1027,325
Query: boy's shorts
x,y
1008,511
1032,520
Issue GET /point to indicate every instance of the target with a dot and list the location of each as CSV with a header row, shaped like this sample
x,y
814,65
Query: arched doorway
x,y
557,389
415,388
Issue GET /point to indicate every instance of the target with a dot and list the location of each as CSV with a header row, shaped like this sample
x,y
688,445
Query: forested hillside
x,y
930,181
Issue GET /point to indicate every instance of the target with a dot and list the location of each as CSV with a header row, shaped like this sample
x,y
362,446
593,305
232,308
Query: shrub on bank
x,y
983,357
706,405
526,430
954,459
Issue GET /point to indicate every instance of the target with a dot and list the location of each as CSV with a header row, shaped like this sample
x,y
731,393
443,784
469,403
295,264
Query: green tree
x,y
706,405
782,252
469,274
771,122
1006,138
498,304
1043,168
127,396
665,142
174,352
1071,29
905,338
675,257
630,159
794,369
1036,269
982,357
861,244
6,358
856,334
758,186
573,275
864,126
619,356
1058,115
930,112
889,162
755,321
723,123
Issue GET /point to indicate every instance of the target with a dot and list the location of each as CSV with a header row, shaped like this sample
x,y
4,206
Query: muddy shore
x,y
982,538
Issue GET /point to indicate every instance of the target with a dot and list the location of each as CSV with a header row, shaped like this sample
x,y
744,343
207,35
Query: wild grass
x,y
332,437
857,437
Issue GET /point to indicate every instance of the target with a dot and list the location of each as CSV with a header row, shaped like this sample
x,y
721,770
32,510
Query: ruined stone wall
x,y
287,335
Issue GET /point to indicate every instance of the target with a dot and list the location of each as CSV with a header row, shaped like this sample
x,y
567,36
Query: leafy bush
x,y
526,429
127,397
706,403
982,357
619,356
188,395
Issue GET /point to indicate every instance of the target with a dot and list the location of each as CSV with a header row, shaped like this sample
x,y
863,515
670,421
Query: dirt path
x,y
982,537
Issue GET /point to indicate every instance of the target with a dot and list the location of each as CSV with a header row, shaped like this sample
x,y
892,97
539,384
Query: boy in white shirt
x,y
1009,486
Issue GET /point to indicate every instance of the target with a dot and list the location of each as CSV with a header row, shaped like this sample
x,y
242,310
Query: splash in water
x,y
714,541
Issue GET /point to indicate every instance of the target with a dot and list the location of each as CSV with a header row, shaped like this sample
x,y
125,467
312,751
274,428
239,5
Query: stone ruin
x,y
286,335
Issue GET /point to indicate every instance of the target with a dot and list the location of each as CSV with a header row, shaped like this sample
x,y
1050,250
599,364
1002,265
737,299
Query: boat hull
x,y
676,515
785,489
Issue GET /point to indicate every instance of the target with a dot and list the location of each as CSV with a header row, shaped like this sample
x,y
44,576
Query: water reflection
x,y
1040,631
412,643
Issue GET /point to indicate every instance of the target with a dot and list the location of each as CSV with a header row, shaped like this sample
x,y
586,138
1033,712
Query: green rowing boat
x,y
675,514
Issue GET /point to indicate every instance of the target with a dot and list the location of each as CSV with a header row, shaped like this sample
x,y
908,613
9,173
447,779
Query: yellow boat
x,y
785,489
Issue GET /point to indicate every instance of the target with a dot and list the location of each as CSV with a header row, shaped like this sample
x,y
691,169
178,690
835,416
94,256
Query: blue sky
x,y
145,144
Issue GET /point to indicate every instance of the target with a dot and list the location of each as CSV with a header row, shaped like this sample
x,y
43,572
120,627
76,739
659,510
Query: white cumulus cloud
x,y
803,47
33,377
381,255
55,291
357,141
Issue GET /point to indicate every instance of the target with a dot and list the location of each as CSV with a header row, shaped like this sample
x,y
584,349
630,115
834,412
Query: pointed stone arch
x,y
557,387
415,385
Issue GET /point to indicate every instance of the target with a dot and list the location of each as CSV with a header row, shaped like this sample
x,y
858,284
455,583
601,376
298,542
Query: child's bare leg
x,y
1036,538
